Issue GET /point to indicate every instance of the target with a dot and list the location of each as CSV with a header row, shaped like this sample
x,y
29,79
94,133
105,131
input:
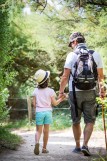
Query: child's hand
x,y
63,97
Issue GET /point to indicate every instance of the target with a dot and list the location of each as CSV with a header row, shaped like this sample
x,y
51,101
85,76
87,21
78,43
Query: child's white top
x,y
43,98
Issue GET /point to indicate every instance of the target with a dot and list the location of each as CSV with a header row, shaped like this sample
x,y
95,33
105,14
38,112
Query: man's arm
x,y
101,82
64,81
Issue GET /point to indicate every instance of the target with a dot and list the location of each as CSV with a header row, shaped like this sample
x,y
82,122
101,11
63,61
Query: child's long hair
x,y
44,85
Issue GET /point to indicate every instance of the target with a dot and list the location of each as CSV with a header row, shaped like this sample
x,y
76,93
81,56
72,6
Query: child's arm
x,y
56,102
34,101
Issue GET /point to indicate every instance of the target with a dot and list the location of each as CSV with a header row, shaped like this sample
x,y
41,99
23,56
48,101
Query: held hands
x,y
62,96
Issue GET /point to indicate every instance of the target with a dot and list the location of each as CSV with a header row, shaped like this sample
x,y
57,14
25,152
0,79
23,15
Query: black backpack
x,y
85,73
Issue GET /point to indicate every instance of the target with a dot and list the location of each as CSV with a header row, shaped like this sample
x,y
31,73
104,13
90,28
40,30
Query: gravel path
x,y
60,146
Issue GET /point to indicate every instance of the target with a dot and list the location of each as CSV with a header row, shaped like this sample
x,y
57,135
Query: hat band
x,y
76,38
44,78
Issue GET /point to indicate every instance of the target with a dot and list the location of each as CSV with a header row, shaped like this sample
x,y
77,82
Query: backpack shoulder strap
x,y
74,99
81,49
91,51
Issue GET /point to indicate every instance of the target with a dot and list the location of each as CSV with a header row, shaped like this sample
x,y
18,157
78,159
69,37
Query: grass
x,y
9,140
23,124
100,159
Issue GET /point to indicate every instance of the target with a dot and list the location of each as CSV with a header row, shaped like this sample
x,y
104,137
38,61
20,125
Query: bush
x,y
9,140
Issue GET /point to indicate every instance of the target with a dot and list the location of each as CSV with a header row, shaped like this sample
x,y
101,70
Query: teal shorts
x,y
44,117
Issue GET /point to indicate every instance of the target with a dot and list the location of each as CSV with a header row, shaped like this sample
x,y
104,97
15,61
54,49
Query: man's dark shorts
x,y
86,101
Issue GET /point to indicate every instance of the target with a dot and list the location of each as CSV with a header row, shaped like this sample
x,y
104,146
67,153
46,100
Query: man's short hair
x,y
76,36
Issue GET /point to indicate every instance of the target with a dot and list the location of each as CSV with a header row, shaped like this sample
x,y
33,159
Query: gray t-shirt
x,y
71,59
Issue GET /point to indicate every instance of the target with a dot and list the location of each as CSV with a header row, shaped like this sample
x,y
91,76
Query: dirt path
x,y
60,146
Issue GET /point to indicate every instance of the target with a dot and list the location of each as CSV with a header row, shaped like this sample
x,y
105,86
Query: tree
x,y
40,40
5,75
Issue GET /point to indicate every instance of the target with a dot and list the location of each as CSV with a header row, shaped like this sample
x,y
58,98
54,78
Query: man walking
x,y
85,99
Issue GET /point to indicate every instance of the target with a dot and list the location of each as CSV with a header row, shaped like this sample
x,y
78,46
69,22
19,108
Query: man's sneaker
x,y
36,149
77,150
85,150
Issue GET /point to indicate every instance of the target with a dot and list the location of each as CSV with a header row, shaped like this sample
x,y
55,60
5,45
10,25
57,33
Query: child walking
x,y
43,99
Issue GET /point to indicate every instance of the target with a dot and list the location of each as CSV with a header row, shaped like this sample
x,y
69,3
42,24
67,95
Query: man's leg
x,y
77,134
76,121
89,111
87,133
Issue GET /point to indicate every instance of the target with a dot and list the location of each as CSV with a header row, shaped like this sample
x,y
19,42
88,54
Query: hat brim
x,y
47,76
71,40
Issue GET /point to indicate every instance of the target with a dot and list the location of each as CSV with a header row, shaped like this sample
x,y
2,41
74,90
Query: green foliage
x,y
9,140
19,124
4,31
5,58
3,98
40,40
102,102
7,73
99,125
61,119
